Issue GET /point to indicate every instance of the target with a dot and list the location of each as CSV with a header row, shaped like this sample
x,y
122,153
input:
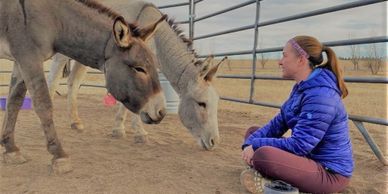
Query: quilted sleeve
x,y
275,128
317,114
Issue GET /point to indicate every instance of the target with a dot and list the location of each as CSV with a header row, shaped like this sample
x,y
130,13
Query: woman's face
x,y
289,63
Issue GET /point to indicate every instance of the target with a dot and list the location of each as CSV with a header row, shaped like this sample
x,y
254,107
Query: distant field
x,y
364,99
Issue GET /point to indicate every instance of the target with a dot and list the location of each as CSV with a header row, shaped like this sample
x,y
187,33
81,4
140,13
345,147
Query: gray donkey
x,y
190,77
32,31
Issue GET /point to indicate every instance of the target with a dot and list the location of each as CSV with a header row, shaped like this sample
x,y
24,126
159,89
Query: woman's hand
x,y
247,154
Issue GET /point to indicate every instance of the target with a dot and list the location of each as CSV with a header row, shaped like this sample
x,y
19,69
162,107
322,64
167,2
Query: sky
x,y
362,22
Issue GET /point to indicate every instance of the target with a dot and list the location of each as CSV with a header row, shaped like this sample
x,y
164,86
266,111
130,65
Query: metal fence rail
x,y
177,4
295,17
375,80
356,41
226,10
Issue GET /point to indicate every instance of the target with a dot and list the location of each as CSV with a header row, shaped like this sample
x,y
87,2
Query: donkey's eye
x,y
202,104
139,70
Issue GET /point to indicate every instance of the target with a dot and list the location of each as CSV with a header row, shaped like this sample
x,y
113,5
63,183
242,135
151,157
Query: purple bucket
x,y
26,103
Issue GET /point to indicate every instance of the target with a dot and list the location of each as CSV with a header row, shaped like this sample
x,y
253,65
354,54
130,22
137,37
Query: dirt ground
x,y
171,161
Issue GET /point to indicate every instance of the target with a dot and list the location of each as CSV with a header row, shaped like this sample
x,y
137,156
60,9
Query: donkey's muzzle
x,y
209,144
146,118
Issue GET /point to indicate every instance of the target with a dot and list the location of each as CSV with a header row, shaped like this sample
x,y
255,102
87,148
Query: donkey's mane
x,y
100,8
182,36
178,31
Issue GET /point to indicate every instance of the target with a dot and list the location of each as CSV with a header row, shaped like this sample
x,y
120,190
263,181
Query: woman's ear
x,y
303,60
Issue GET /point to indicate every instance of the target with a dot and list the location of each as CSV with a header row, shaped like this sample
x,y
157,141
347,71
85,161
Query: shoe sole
x,y
251,180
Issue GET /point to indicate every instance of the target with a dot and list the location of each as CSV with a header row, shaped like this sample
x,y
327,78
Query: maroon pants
x,y
303,173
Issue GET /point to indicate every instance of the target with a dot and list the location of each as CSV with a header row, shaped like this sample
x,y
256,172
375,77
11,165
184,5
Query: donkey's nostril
x,y
212,142
162,113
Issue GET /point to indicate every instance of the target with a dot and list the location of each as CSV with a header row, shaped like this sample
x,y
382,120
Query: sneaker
x,y
253,181
279,186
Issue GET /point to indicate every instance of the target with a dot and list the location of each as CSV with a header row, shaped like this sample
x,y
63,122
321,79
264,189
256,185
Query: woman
x,y
317,157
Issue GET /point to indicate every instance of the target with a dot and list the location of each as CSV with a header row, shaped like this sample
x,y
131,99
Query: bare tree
x,y
355,56
228,64
262,58
374,61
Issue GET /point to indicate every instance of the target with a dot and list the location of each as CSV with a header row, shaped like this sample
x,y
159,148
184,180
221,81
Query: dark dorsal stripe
x,y
100,8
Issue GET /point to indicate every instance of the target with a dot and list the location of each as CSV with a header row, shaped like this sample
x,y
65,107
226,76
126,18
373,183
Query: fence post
x,y
256,34
191,20
371,142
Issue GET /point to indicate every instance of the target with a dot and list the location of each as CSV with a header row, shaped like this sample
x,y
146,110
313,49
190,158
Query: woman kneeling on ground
x,y
317,157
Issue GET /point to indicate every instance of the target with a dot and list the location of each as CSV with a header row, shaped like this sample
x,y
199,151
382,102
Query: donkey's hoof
x,y
61,166
118,133
14,158
141,139
77,126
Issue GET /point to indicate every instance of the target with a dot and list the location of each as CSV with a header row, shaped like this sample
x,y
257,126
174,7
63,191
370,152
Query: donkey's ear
x,y
209,72
206,64
147,32
121,32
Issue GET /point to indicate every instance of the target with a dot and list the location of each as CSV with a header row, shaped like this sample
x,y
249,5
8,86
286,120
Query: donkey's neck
x,y
175,59
177,62
83,34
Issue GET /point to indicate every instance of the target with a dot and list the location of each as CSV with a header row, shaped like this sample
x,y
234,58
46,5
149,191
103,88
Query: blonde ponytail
x,y
332,63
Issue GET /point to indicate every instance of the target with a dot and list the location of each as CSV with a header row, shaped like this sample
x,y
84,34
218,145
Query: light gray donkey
x,y
32,31
190,77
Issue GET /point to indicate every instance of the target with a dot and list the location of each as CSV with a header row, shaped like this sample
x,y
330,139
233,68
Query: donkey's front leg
x,y
141,136
119,128
34,78
73,83
17,92
136,124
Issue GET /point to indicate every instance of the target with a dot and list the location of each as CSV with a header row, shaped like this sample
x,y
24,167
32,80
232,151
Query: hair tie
x,y
317,66
318,60
324,48
299,49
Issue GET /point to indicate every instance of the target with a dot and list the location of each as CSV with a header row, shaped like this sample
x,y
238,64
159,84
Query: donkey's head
x,y
130,71
199,104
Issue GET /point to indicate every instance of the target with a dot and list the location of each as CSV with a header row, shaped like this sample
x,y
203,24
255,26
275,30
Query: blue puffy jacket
x,y
319,123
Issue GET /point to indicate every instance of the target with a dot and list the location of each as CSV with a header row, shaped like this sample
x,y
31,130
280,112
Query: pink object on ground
x,y
109,100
